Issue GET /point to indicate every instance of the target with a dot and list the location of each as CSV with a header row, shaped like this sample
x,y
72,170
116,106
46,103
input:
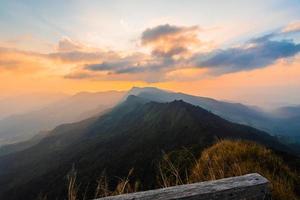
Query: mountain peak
x,y
139,90
181,103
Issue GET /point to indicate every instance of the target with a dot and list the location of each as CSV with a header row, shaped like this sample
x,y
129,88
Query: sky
x,y
243,51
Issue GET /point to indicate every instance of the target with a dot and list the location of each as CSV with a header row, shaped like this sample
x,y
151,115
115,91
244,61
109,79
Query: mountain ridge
x,y
273,122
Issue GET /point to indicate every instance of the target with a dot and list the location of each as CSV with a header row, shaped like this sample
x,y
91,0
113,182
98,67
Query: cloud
x,y
75,52
57,63
118,63
257,53
68,52
169,46
162,31
132,64
170,52
169,40
22,62
79,75
8,64
66,44
82,56
173,50
108,66
292,27
151,66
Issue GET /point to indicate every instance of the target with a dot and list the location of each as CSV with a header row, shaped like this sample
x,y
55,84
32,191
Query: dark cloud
x,y
152,34
118,63
171,52
108,66
155,33
79,75
258,53
169,40
129,65
154,66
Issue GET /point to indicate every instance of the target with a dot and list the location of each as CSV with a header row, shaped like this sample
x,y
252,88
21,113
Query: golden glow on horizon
x,y
228,86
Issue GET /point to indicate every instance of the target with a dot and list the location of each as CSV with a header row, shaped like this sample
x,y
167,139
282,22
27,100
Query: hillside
x,y
19,146
133,135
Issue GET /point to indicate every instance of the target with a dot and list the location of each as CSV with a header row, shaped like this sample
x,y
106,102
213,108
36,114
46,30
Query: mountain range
x,y
20,104
275,121
20,127
134,134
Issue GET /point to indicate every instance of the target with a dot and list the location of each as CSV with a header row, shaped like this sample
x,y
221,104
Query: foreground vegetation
x,y
224,159
227,158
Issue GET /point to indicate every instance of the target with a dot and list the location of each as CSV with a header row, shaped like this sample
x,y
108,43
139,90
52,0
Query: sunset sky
x,y
247,51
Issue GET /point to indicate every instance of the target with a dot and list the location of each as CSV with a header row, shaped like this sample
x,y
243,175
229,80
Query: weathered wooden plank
x,y
247,187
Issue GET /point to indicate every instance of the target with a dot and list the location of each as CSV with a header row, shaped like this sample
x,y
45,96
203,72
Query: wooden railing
x,y
247,187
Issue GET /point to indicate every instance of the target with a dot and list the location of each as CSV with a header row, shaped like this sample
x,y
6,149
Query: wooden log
x,y
247,187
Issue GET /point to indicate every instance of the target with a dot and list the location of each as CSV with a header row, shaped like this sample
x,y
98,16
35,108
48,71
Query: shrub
x,y
234,158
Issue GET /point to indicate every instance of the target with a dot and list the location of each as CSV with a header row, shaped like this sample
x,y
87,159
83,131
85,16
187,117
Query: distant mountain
x,y
287,123
75,108
20,104
281,122
19,146
132,135
21,127
235,112
287,112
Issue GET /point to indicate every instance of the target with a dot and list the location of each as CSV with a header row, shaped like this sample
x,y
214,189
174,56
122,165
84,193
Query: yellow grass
x,y
235,158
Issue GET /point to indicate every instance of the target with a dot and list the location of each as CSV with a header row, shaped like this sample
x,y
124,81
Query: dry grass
x,y
172,173
235,158
42,197
124,186
72,187
102,190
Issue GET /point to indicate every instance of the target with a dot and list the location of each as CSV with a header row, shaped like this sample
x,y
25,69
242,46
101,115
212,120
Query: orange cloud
x,y
19,62
68,56
71,51
292,27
